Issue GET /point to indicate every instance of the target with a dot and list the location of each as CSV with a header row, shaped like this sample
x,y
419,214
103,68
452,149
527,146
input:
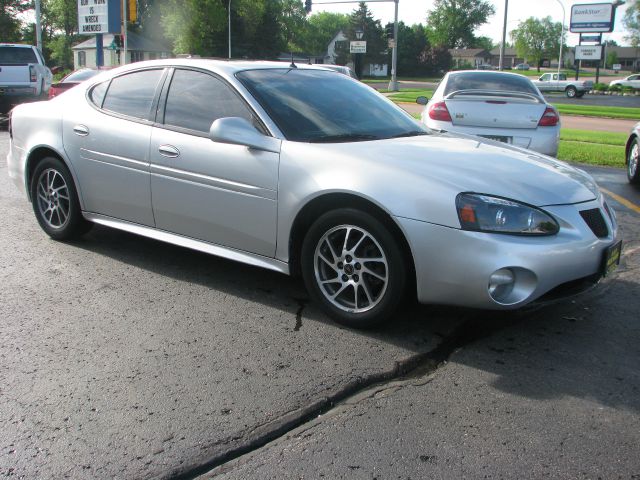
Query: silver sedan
x,y
506,107
263,164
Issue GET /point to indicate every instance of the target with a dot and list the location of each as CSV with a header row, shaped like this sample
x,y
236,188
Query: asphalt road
x,y
125,357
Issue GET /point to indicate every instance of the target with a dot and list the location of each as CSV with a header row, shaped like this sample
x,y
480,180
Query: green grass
x,y
596,111
410,95
593,148
589,136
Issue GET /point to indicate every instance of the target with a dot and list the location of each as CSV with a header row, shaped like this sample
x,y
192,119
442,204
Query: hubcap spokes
x,y
351,268
633,160
53,198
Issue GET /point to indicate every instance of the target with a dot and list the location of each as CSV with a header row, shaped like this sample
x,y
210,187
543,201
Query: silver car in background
x,y
506,107
262,163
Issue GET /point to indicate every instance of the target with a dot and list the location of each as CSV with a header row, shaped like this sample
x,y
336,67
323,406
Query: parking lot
x,y
125,357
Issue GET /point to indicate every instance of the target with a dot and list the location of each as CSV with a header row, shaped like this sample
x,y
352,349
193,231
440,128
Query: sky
x,y
415,11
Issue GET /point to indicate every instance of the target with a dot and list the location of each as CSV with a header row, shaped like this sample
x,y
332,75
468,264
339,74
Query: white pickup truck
x,y
23,75
550,82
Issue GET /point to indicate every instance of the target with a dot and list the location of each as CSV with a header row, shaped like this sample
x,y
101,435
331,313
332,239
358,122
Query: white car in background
x,y
632,81
23,75
506,107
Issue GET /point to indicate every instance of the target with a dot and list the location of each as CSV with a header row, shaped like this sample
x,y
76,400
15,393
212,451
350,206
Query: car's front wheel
x,y
571,92
55,200
353,266
633,169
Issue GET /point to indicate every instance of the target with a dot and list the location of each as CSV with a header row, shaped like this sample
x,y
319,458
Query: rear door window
x,y
132,94
17,56
196,99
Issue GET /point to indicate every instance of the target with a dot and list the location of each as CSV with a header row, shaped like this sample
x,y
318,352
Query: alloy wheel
x,y
53,198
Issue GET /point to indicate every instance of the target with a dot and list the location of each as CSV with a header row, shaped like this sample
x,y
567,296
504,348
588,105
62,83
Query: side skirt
x,y
187,242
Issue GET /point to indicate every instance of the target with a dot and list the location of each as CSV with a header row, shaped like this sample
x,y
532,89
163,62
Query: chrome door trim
x,y
187,242
213,182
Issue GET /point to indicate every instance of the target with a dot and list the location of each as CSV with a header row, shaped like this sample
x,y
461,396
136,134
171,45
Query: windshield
x,y
489,81
80,75
320,106
17,56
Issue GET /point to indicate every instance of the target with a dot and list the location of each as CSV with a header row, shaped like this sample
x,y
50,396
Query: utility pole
x,y
504,36
38,27
393,84
123,60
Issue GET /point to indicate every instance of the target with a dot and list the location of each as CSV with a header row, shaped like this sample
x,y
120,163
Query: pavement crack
x,y
302,303
402,373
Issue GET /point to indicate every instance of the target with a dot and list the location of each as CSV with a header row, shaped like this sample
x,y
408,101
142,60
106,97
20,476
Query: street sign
x,y
358,46
590,38
588,52
98,16
392,43
595,17
617,66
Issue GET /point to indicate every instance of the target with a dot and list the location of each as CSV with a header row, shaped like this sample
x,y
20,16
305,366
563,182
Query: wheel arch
x,y
35,156
630,141
332,201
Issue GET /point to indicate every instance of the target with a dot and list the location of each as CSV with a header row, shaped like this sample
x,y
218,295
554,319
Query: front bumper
x,y
453,267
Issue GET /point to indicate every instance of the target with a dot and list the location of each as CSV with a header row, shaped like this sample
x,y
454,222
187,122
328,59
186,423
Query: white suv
x,y
23,75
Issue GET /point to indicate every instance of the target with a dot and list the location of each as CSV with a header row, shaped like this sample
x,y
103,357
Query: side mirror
x,y
422,100
541,78
238,131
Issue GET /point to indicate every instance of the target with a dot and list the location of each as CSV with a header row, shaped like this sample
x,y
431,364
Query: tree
x,y
486,43
10,24
320,30
632,23
60,17
412,41
451,23
435,60
537,39
612,58
361,18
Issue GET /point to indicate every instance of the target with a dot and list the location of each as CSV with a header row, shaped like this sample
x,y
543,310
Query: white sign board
x,y
358,46
595,17
617,66
588,52
98,16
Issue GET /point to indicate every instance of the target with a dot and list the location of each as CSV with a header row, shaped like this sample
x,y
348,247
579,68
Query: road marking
x,y
621,200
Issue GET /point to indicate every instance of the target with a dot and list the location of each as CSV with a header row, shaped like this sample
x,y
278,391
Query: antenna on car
x,y
293,65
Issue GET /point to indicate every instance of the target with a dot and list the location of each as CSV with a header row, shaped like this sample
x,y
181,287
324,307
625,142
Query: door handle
x,y
81,130
168,151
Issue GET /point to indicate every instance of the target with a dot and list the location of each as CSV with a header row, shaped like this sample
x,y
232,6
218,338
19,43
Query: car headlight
x,y
484,213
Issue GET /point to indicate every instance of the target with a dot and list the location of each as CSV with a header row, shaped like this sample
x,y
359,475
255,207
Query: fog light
x,y
501,283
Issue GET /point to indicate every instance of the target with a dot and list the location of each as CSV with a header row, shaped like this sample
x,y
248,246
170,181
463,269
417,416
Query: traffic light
x,y
307,6
389,31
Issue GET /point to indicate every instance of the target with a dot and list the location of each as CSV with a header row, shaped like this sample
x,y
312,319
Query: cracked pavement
x,y
128,358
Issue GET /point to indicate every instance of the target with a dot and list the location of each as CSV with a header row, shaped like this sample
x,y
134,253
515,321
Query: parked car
x,y
263,164
71,80
552,82
23,75
341,69
632,81
522,66
632,153
485,67
506,107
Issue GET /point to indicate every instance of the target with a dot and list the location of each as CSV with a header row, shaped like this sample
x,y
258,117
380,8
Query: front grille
x,y
595,221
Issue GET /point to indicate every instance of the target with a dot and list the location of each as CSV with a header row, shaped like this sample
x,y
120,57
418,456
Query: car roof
x,y
19,45
487,72
224,65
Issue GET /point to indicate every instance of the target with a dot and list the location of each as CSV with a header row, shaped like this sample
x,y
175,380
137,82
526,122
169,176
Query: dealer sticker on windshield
x,y
612,258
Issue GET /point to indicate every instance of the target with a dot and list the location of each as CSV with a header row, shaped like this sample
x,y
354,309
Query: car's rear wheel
x,y
633,169
55,200
571,92
352,265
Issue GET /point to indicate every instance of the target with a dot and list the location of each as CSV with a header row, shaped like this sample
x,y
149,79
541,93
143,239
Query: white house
x,y
138,49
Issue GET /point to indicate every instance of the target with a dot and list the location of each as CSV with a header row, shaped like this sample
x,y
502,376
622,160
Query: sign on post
x,y
588,52
358,46
617,66
98,16
594,17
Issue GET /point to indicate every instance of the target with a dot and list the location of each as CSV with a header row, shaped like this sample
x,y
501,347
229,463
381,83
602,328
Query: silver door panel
x,y
218,193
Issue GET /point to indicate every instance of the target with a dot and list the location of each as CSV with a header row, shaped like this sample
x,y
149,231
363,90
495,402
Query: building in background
x,y
138,49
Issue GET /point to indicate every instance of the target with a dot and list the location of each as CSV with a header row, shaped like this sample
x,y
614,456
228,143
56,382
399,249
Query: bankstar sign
x,y
98,16
592,17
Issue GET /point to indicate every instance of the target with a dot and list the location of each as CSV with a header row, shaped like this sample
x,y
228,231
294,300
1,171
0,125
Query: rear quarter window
x,y
132,94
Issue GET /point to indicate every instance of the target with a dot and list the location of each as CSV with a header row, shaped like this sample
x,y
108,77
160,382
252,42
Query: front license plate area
x,y
611,258
498,138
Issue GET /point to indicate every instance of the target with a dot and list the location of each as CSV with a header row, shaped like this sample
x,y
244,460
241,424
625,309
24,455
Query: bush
x,y
600,87
615,88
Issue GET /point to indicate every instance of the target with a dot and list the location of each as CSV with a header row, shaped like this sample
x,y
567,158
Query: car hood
x,y
464,163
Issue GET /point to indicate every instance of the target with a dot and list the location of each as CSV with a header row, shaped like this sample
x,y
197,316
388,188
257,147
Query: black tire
x,y
580,94
367,299
570,92
50,204
633,162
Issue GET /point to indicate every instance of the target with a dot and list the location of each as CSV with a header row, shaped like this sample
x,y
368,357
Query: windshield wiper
x,y
345,137
413,133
